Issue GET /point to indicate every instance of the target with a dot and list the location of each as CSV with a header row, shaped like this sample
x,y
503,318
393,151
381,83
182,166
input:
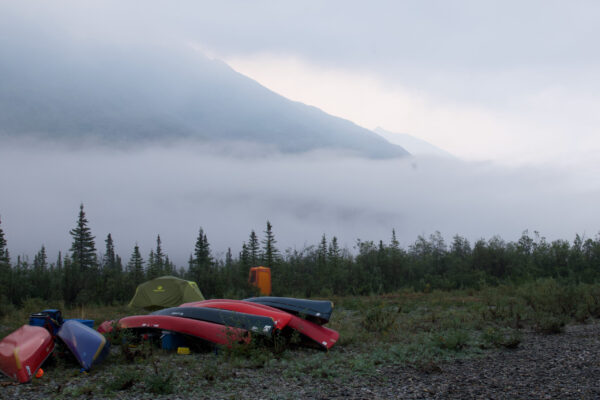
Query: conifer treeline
x,y
81,277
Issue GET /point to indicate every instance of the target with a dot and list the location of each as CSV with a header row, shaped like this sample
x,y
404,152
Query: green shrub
x,y
582,314
6,307
33,305
255,353
123,379
547,323
160,383
380,319
496,337
453,339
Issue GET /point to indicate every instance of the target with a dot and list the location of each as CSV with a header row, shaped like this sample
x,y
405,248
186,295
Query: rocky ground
x,y
564,366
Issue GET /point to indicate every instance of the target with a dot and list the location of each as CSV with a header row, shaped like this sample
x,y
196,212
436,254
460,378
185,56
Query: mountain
x,y
125,95
413,145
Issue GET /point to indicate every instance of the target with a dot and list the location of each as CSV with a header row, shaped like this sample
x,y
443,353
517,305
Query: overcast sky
x,y
510,87
510,81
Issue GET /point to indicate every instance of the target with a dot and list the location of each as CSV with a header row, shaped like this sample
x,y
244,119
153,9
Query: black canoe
x,y
249,322
316,310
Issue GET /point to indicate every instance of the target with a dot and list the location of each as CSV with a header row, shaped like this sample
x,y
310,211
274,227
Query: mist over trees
x,y
82,276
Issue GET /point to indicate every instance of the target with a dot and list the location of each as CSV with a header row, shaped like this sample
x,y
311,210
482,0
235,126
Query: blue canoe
x,y
87,345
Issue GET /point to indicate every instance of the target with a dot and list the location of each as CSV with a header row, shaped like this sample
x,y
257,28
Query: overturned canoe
x,y
24,351
209,331
318,310
106,327
88,346
250,322
324,337
280,318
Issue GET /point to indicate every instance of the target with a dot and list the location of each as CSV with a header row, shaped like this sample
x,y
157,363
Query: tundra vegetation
x,y
419,306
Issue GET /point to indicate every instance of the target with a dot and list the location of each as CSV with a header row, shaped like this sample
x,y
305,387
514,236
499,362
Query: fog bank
x,y
173,191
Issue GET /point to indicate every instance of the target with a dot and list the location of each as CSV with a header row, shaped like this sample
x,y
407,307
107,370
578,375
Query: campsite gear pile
x,y
180,319
23,352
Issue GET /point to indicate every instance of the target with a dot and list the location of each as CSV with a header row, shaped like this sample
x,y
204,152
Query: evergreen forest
x,y
92,273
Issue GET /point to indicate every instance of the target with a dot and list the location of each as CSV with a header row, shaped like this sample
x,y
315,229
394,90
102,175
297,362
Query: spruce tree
x,y
322,254
112,270
253,249
5,270
245,256
39,276
4,256
201,266
202,256
135,268
333,253
151,271
395,244
56,278
270,254
109,259
83,249
156,261
168,267
322,279
84,273
334,262
228,258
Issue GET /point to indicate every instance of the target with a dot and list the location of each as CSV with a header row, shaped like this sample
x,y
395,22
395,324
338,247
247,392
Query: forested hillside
x,y
91,272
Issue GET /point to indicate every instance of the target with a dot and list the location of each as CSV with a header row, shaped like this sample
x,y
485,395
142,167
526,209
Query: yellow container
x,y
183,350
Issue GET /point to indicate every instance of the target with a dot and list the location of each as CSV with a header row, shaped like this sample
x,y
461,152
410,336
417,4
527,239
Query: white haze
x,y
173,191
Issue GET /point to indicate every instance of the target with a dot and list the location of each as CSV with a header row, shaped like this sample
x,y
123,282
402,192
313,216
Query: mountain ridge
x,y
412,144
140,94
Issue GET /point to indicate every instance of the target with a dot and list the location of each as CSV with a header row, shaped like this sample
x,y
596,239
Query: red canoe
x,y
24,351
325,337
281,318
208,331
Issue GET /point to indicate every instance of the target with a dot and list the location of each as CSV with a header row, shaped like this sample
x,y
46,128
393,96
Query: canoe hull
x,y
24,351
249,322
208,331
280,318
88,346
324,337
318,310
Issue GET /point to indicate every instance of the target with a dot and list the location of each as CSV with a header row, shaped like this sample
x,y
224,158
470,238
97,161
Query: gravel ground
x,y
565,366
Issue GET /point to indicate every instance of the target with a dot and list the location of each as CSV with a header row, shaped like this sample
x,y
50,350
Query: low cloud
x,y
173,191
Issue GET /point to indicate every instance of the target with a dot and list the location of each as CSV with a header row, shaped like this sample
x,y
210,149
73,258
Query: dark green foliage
x,y
270,256
124,379
83,249
6,279
453,339
156,261
83,279
113,289
380,319
160,382
4,260
202,267
135,269
325,269
498,337
253,249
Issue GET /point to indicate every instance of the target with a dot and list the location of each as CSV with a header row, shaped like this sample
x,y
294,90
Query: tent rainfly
x,y
166,291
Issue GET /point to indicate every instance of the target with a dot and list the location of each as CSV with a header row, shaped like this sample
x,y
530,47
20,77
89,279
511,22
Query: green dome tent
x,y
166,291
